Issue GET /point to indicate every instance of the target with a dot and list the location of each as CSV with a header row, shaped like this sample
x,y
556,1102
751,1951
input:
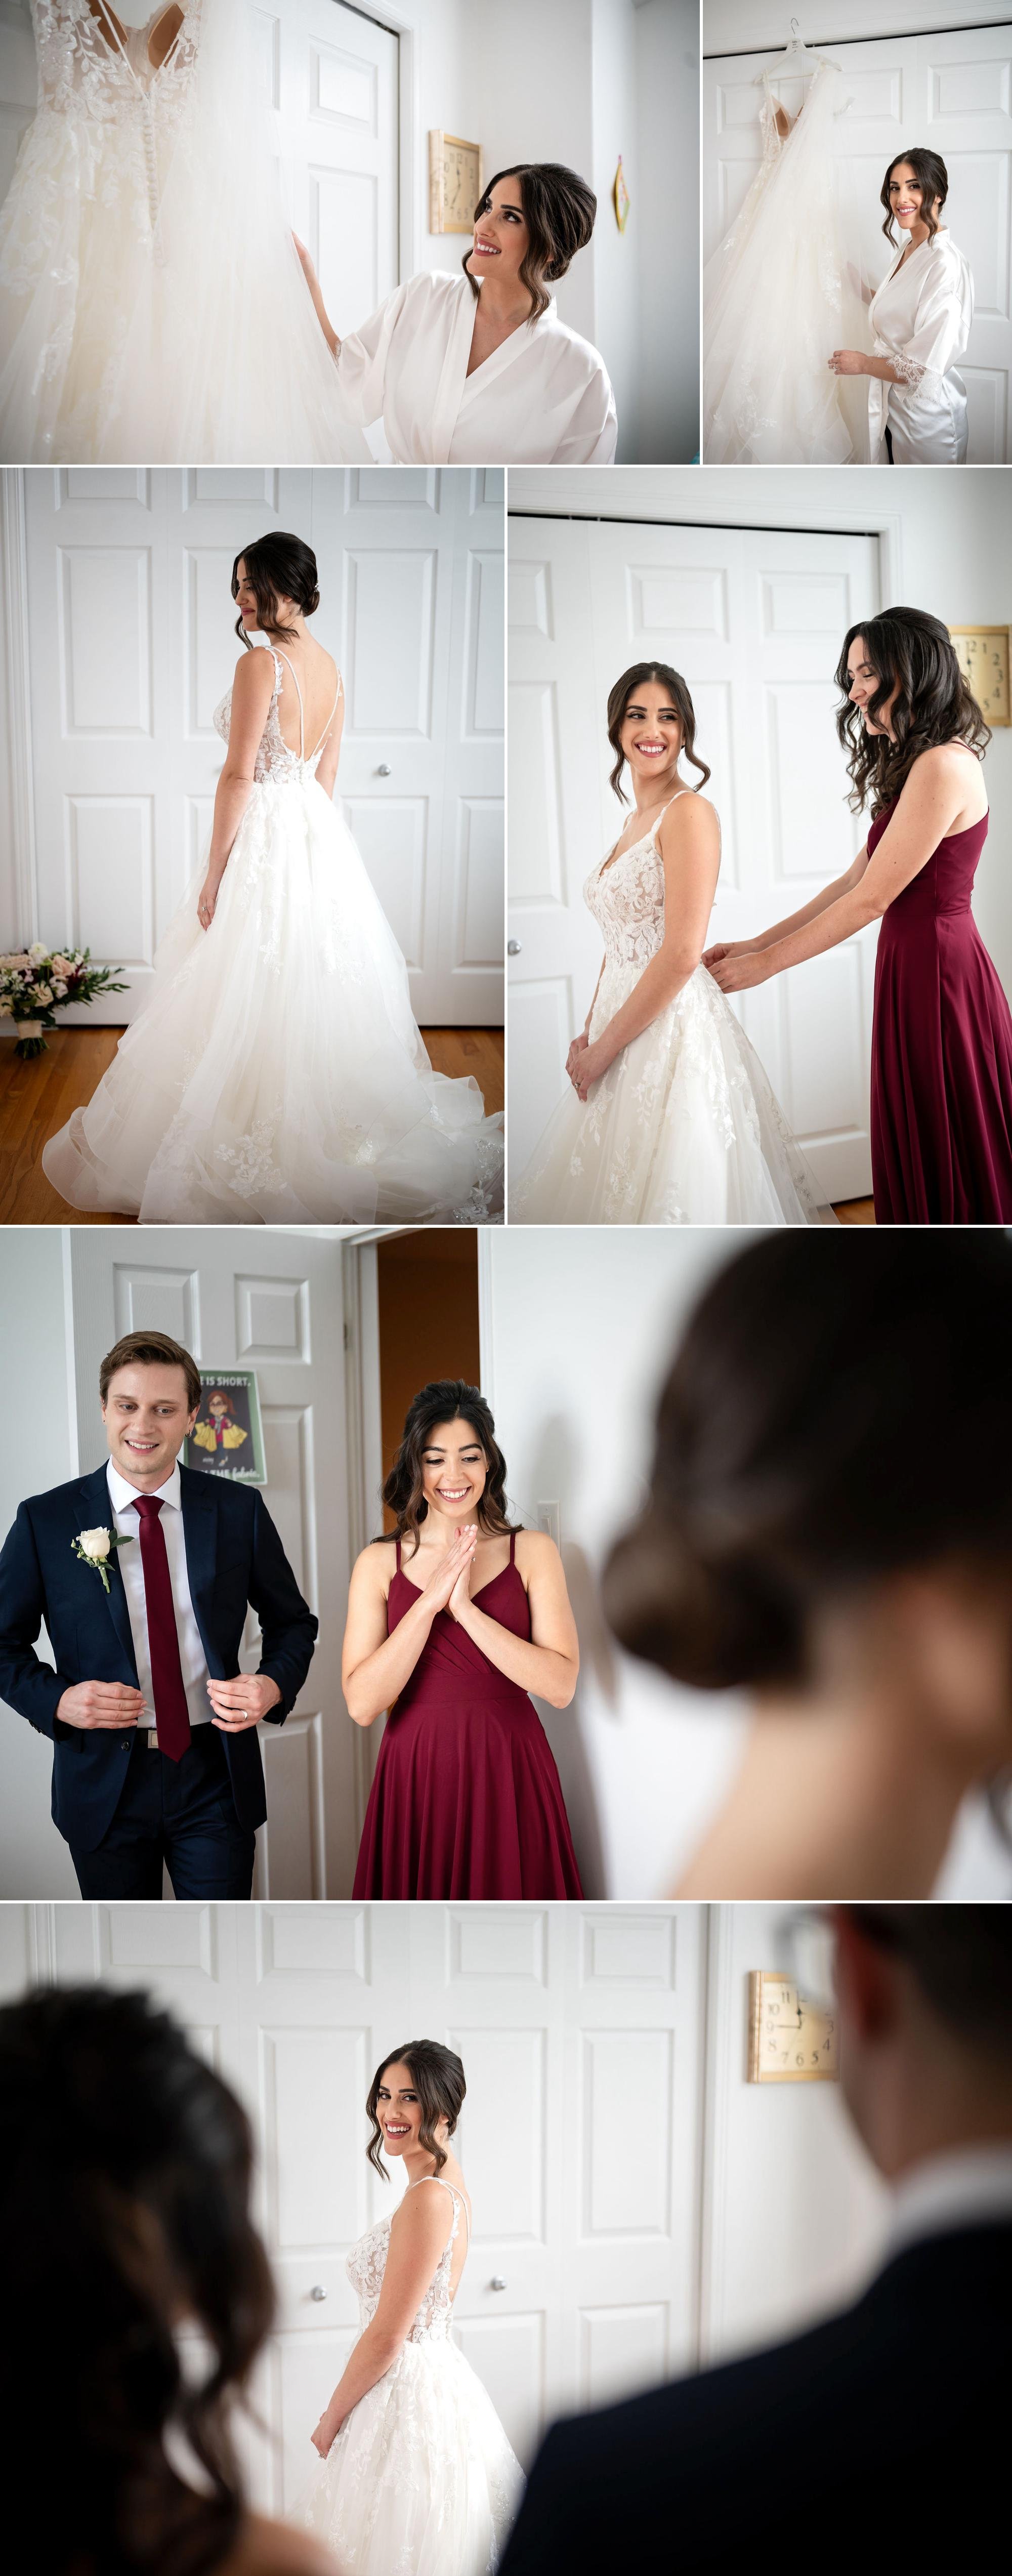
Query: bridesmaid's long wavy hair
x,y
932,179
277,567
619,700
125,2168
934,705
445,1399
438,2078
559,211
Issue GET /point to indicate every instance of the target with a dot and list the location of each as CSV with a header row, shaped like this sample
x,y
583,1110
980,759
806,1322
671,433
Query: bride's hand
x,y
737,974
847,362
206,903
591,1065
577,1049
323,2439
306,257
459,1558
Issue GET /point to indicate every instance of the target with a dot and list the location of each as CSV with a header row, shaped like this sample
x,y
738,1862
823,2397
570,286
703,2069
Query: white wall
x,y
667,63
745,26
952,543
39,1450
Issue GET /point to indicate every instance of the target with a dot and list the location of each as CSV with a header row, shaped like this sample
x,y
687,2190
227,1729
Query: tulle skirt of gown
x,y
683,1129
276,1071
421,2480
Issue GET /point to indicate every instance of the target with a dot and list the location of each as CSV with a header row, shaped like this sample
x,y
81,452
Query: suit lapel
x,y
200,1538
97,1513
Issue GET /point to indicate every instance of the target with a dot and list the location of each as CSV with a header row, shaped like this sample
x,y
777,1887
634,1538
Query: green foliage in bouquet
x,y
36,983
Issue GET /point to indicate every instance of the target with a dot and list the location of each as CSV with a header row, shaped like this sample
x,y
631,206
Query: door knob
x,y
497,2282
318,2292
513,948
384,769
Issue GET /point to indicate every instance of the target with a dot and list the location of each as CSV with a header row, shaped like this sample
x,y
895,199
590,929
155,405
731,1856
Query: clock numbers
x,y
790,2041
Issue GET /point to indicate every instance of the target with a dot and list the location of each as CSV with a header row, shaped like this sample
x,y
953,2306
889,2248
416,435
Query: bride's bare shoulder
x,y
254,672
274,2549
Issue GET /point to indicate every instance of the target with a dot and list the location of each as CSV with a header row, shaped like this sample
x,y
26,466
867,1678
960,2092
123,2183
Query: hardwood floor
x,y
856,1212
37,1098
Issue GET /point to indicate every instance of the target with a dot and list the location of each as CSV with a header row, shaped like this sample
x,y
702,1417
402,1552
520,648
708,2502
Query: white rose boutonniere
x,y
94,1547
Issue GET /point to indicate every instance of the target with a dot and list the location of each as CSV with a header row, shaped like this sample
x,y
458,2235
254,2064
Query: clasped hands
x,y
95,1707
585,1063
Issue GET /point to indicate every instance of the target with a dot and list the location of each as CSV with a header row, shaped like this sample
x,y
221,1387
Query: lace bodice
x,y
85,73
626,897
275,758
367,2262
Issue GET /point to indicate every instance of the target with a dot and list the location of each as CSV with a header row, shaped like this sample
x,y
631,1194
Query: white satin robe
x,y
920,318
542,398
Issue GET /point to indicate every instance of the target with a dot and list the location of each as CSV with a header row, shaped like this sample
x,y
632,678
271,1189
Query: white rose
x,y
94,1544
37,951
44,994
59,989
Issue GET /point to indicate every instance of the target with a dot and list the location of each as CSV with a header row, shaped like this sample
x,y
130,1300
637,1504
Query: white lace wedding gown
x,y
152,306
275,1070
778,299
421,2480
683,1129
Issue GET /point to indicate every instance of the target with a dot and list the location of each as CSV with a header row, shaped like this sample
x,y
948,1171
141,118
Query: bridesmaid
x,y
466,1801
920,318
941,1081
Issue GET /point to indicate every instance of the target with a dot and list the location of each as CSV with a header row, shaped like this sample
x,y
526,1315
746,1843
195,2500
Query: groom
x,y
142,1574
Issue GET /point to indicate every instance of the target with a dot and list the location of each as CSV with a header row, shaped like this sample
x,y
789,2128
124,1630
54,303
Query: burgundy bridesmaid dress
x,y
466,1800
941,1082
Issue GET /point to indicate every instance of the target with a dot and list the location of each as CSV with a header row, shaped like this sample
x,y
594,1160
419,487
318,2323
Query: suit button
x,y
124,1745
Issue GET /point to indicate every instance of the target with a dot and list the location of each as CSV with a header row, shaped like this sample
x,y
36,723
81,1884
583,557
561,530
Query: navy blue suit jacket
x,y
234,1558
877,2442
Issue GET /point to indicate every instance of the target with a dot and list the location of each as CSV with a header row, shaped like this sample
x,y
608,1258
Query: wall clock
x,y
982,653
455,181
788,2041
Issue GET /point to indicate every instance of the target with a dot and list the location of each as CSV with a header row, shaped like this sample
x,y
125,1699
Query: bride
x,y
416,2473
275,1071
671,1119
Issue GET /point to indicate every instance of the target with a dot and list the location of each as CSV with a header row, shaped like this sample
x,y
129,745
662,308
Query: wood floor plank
x,y
38,1098
856,1212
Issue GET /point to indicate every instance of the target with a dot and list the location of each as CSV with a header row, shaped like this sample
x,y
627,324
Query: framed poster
x,y
227,1437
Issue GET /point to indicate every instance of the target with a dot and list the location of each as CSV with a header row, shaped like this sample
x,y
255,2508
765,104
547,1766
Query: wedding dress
x,y
421,2480
275,1070
152,305
683,1129
778,298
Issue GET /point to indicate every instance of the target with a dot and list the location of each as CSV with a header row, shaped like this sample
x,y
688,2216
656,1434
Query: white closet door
x,y
131,645
331,75
754,619
272,1303
951,92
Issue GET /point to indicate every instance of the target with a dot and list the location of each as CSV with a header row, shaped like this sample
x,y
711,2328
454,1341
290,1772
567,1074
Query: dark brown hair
x,y
125,2170
559,211
447,1399
932,179
960,1956
150,1350
934,704
438,2079
619,699
839,1407
277,567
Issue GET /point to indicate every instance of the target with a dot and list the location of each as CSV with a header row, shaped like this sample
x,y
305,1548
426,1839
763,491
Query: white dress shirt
x,y
967,2187
124,1499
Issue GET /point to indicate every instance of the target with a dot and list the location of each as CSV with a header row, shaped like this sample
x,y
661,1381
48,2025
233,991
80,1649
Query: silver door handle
x,y
318,2291
513,948
497,2282
384,769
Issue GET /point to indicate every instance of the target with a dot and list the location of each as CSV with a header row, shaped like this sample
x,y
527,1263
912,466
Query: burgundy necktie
x,y
172,1716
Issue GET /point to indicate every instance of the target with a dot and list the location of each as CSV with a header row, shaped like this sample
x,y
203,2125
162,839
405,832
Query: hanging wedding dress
x,y
421,2480
683,1129
778,298
276,1070
152,305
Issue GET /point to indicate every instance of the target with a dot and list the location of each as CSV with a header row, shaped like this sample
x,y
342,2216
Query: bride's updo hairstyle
x,y
838,1410
125,2168
626,688
446,1399
906,647
438,2079
559,211
932,179
277,567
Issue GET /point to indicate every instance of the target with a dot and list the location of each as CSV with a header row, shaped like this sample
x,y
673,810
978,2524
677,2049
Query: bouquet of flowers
x,y
35,984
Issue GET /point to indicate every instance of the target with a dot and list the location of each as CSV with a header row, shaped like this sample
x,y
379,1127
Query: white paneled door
x,y
754,619
272,1303
130,643
581,2034
950,92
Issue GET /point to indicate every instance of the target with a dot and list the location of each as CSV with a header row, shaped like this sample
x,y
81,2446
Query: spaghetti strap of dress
x,y
445,2186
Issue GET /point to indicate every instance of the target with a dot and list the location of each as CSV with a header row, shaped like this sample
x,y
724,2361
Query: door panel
x,y
270,1301
952,92
755,619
